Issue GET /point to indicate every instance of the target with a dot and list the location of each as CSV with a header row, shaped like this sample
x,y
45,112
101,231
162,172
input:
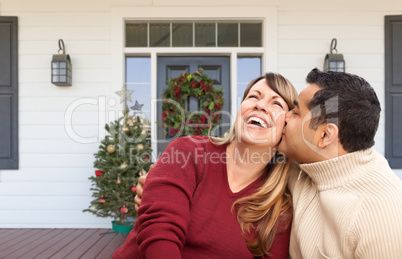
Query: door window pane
x,y
228,35
250,35
182,34
205,34
248,68
136,35
159,34
138,78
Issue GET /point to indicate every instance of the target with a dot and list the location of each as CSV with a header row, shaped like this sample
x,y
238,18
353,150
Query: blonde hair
x,y
262,209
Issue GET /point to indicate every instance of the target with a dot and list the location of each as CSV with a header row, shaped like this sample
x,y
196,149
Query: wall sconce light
x,y
334,62
61,67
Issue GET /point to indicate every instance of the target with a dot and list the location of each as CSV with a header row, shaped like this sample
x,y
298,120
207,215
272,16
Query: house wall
x,y
51,187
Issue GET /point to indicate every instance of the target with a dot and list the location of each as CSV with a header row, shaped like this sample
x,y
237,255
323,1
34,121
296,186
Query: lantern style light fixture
x,y
61,67
334,61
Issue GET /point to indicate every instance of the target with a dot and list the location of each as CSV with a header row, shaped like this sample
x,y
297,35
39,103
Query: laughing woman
x,y
201,188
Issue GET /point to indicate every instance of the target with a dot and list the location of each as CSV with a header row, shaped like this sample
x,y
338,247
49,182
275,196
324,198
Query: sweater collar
x,y
336,172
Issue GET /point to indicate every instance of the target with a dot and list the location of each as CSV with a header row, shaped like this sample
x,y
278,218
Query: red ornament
x,y
124,210
134,188
98,173
145,158
102,200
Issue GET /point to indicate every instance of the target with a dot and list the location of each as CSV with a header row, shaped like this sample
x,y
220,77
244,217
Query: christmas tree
x,y
123,156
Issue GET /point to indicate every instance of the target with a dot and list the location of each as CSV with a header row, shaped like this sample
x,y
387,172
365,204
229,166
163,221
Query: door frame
x,y
119,15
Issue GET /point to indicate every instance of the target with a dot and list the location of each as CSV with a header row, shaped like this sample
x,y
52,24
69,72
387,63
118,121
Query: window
x,y
248,68
194,34
137,34
205,35
182,34
228,35
159,34
138,78
250,35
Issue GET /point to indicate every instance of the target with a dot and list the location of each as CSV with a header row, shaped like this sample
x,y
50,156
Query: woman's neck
x,y
246,163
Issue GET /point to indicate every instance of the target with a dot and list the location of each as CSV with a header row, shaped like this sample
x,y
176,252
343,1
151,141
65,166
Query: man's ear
x,y
329,135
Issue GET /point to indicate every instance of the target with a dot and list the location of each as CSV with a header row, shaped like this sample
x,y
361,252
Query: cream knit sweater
x,y
347,207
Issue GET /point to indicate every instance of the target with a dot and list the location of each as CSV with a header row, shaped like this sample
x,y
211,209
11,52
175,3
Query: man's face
x,y
299,141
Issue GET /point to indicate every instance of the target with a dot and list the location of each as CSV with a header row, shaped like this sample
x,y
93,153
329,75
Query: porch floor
x,y
58,243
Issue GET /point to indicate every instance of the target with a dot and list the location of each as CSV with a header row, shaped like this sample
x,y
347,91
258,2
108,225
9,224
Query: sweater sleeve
x,y
377,229
165,208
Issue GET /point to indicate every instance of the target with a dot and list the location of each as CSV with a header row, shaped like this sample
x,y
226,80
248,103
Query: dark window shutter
x,y
8,92
393,90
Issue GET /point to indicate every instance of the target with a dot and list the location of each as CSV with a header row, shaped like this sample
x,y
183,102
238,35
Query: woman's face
x,y
261,117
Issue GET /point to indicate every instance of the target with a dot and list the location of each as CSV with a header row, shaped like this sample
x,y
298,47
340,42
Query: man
x,y
347,201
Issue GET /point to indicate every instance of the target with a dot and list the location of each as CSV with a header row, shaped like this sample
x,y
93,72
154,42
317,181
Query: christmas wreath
x,y
178,121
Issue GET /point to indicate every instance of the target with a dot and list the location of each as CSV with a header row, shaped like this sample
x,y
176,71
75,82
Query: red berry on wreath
x,y
98,173
134,188
102,200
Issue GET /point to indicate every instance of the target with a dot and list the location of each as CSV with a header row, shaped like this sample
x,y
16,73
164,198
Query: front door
x,y
217,68
393,90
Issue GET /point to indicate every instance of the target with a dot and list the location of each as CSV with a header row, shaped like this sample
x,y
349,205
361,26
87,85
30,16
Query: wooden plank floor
x,y
58,243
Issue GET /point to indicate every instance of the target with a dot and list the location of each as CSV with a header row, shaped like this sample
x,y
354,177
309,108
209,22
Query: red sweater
x,y
186,208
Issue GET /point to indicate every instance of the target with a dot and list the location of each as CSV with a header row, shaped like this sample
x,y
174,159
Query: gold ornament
x,y
140,147
111,148
130,122
118,180
125,129
123,166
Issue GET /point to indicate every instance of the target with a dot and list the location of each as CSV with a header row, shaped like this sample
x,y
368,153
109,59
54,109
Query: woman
x,y
201,188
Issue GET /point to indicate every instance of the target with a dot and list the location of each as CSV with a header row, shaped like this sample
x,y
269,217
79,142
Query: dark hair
x,y
348,101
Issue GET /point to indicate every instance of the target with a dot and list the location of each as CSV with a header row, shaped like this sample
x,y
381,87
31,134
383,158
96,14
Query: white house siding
x,y
51,187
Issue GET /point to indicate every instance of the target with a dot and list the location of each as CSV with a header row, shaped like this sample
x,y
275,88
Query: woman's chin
x,y
260,140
